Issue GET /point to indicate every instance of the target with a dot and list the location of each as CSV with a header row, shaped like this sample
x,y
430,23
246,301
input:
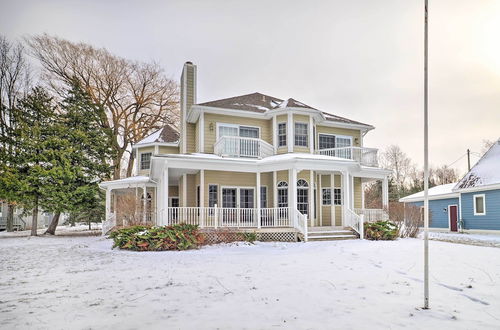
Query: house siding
x,y
438,215
213,119
489,221
168,150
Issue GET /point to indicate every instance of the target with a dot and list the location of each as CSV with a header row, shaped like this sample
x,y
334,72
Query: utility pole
x,y
426,160
468,159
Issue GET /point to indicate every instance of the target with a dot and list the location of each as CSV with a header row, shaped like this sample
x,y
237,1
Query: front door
x,y
453,213
246,202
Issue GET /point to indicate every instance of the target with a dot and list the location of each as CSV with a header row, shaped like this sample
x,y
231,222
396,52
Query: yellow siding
x,y
191,190
168,150
340,131
211,121
190,137
357,193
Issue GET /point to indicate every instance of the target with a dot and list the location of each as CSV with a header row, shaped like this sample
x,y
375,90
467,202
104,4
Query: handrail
x,y
354,221
300,223
365,156
238,146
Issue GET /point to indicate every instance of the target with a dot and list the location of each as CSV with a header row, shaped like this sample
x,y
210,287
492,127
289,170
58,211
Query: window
x,y
326,141
302,196
252,132
479,205
236,146
281,134
146,161
337,196
327,196
212,195
301,134
263,196
282,194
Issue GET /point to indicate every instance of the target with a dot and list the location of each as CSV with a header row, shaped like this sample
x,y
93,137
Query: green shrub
x,y
144,238
249,237
380,230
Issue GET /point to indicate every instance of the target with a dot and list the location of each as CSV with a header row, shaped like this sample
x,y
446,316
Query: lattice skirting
x,y
215,236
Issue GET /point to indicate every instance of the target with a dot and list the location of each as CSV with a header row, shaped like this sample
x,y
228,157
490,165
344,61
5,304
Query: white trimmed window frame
x,y
295,134
474,198
238,126
141,161
279,135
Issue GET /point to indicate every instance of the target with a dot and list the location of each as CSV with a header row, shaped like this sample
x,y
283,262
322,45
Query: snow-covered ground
x,y
465,238
80,283
78,230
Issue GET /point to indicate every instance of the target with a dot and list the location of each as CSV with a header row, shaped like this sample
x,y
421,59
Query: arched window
x,y
302,196
282,194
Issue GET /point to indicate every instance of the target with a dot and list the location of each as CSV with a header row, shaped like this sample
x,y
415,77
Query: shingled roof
x,y
261,103
255,102
166,134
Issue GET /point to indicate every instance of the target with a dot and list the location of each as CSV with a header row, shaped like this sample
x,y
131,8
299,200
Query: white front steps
x,y
330,234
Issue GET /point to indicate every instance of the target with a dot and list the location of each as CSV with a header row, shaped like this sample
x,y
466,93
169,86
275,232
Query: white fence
x,y
235,146
372,215
354,221
365,156
215,217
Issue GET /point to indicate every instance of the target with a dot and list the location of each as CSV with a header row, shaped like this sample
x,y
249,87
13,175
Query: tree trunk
x,y
10,217
53,224
34,222
131,162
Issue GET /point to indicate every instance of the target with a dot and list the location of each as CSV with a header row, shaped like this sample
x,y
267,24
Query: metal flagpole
x,y
426,162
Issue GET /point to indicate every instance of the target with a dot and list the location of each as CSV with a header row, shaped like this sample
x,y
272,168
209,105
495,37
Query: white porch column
x,y
164,190
184,190
332,205
320,200
202,197
351,178
275,189
385,193
289,132
362,194
311,134
311,199
144,203
257,193
292,192
108,203
345,193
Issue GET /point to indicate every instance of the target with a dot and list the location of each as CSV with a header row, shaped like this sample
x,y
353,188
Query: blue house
x,y
473,203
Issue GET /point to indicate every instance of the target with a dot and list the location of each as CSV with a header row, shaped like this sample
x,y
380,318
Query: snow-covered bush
x,y
381,230
146,238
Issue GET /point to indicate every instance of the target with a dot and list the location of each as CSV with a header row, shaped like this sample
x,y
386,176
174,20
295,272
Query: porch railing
x,y
215,217
109,223
365,156
17,223
300,223
354,221
236,146
372,215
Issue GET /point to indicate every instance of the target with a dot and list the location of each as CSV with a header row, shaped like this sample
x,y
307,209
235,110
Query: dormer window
x,y
145,161
301,134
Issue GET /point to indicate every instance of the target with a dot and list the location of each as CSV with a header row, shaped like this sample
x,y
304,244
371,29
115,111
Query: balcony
x,y
236,146
365,156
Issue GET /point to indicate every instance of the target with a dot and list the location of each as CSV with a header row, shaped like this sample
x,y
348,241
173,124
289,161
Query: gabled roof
x,y
485,173
256,102
438,192
261,103
166,134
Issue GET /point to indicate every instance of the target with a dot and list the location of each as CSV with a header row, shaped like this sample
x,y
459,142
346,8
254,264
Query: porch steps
x,y
326,234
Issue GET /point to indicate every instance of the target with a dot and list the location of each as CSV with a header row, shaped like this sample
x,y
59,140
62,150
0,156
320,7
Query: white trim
x,y
277,135
150,160
290,132
154,144
311,134
170,200
184,190
449,216
237,194
333,220
208,191
275,189
431,198
484,203
238,126
201,133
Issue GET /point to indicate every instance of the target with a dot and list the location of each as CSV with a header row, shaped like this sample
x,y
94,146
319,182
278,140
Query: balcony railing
x,y
365,156
372,215
236,146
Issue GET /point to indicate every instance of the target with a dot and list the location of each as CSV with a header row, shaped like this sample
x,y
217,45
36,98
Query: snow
x,y
80,283
466,238
151,138
130,180
436,191
485,172
284,104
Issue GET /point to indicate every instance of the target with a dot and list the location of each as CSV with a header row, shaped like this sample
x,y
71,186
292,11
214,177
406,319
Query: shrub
x,y
408,218
147,238
250,237
381,230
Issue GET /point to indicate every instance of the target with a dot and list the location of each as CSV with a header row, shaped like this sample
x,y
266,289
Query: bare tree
x,y
15,82
486,146
137,97
393,158
444,175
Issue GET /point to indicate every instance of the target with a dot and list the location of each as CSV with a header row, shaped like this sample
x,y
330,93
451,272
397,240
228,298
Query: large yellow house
x,y
253,162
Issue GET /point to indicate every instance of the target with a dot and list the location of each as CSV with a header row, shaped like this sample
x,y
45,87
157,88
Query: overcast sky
x,y
358,59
